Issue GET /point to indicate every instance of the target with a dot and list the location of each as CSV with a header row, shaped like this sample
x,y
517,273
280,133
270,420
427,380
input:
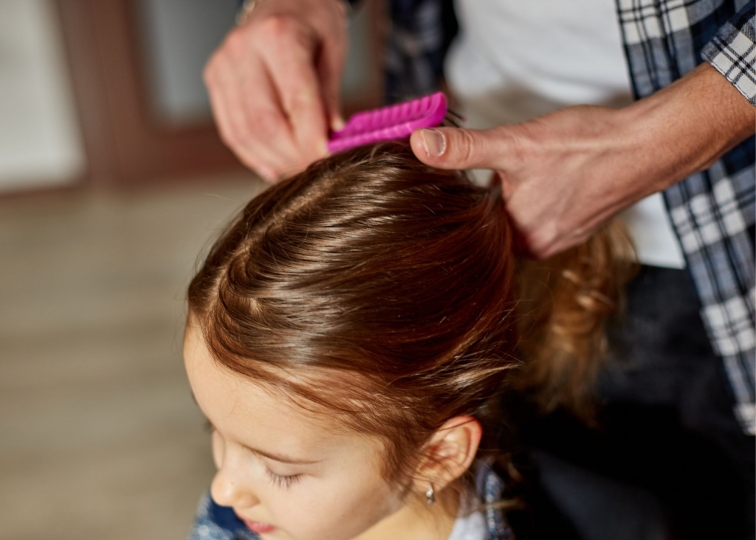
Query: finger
x,y
258,129
269,133
223,114
292,71
330,68
224,127
562,244
540,243
545,241
460,148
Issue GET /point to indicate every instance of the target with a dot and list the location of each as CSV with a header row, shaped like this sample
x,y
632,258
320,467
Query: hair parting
x,y
386,292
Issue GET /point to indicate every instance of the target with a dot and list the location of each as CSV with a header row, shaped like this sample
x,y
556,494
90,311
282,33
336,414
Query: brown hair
x,y
382,290
565,304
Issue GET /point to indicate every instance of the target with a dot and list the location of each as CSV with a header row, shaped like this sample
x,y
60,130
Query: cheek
x,y
219,449
336,510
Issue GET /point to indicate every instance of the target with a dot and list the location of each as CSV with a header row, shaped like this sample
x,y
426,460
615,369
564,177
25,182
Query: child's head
x,y
358,315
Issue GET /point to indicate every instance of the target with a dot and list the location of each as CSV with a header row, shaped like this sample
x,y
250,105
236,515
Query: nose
x,y
228,489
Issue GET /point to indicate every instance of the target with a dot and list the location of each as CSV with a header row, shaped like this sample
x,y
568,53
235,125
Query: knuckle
x,y
519,150
466,147
236,43
300,101
541,237
539,247
286,31
278,27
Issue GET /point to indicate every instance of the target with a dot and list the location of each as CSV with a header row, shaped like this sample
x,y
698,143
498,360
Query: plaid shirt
x,y
712,211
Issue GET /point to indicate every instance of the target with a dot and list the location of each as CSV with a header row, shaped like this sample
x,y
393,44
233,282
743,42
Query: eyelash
x,y
284,482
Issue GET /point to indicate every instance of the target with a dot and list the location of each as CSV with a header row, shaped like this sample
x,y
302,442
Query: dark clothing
x,y
667,460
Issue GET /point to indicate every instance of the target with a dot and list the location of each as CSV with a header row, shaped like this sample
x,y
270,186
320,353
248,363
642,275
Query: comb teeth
x,y
388,123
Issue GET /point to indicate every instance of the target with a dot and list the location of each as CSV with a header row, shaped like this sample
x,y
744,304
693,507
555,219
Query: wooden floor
x,y
99,437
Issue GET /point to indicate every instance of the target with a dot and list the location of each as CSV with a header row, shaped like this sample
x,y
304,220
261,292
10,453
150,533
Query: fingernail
x,y
337,123
433,141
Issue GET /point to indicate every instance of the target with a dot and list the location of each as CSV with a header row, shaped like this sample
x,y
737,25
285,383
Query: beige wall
x,y
179,35
40,144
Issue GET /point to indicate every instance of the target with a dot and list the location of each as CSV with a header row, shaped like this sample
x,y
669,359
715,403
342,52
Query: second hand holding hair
x,y
274,83
563,175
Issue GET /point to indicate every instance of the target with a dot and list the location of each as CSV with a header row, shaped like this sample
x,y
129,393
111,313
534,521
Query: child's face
x,y
285,474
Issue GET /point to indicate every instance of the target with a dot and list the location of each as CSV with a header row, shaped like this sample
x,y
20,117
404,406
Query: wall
x,y
177,38
179,35
40,145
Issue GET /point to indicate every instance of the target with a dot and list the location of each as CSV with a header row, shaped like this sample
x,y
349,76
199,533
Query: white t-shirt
x,y
472,527
514,60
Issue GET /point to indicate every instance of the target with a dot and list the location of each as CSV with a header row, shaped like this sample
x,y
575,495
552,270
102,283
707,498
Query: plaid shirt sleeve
x,y
733,51
713,211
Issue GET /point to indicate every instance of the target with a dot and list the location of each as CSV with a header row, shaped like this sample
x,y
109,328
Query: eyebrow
x,y
282,458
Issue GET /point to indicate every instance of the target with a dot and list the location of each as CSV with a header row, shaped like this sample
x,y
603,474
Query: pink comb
x,y
387,123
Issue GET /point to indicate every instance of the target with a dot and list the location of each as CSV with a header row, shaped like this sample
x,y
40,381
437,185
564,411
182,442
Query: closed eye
x,y
282,481
278,480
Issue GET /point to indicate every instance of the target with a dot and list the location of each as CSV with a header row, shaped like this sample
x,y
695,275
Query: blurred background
x,y
112,181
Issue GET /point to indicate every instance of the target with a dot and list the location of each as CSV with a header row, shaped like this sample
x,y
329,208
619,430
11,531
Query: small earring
x,y
430,495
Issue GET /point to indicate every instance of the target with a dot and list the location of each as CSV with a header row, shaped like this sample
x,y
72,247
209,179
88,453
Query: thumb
x,y
458,148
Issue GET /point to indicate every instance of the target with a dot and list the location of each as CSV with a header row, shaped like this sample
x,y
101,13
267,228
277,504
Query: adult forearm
x,y
687,126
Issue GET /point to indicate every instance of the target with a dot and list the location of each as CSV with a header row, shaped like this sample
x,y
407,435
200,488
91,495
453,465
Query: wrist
x,y
249,8
686,127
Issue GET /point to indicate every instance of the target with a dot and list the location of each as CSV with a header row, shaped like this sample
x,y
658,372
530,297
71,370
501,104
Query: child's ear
x,y
449,453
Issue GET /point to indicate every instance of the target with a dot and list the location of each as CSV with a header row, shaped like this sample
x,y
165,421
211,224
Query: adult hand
x,y
565,174
274,83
